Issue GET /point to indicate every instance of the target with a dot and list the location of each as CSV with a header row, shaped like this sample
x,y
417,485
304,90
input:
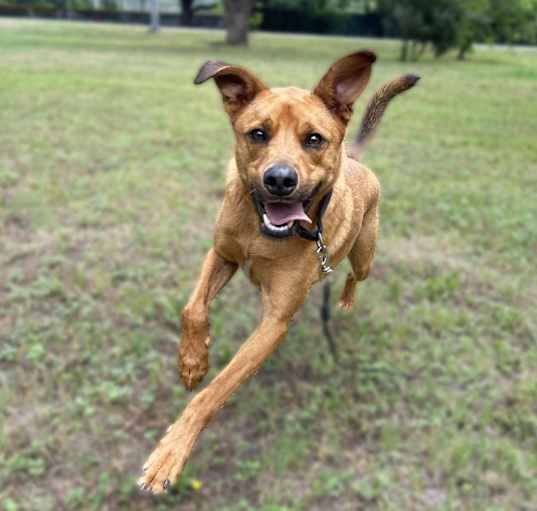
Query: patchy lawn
x,y
111,172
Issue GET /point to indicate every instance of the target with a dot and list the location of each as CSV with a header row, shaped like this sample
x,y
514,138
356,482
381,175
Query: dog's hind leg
x,y
193,356
361,256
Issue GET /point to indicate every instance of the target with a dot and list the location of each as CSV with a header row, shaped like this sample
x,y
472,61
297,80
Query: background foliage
x,y
440,24
447,24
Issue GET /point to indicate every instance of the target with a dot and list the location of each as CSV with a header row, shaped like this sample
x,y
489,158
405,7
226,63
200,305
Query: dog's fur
x,y
283,269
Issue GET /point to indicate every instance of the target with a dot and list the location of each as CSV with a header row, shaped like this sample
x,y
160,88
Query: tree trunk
x,y
404,50
417,49
186,13
420,50
464,48
237,16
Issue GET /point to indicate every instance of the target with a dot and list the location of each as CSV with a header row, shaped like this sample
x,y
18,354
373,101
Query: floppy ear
x,y
237,85
343,83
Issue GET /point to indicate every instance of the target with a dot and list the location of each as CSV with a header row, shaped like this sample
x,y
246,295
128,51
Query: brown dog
x,y
293,196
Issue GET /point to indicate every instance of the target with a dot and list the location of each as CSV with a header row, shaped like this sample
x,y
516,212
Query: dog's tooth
x,y
290,224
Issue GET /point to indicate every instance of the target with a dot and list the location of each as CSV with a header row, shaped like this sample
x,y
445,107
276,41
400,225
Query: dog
x,y
295,205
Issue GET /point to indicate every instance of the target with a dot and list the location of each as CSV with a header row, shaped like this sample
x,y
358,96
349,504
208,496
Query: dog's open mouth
x,y
278,218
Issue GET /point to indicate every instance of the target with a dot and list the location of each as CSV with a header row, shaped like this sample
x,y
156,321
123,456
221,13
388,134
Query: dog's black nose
x,y
280,180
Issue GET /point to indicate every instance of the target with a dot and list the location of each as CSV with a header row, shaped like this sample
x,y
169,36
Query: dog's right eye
x,y
314,140
258,135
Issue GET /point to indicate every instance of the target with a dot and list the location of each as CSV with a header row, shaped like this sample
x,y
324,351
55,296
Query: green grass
x,y
111,173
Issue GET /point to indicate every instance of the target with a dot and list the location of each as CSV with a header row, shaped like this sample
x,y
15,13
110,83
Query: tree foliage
x,y
498,21
420,22
514,21
475,24
446,24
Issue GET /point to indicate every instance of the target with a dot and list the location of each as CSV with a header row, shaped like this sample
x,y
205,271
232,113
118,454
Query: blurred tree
x,y
405,18
475,24
422,22
236,17
514,21
447,24
496,20
444,24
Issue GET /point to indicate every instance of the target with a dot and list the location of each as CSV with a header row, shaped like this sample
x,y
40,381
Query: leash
x,y
317,235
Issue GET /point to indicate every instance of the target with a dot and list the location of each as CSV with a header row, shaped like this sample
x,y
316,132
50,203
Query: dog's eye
x,y
258,135
314,140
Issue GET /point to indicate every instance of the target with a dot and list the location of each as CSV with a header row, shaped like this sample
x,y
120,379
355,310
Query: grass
x,y
111,173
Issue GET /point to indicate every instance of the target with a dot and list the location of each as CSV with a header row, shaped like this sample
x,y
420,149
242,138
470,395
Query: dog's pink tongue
x,y
280,213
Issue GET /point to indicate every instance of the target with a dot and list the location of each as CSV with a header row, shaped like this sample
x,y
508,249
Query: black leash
x,y
317,235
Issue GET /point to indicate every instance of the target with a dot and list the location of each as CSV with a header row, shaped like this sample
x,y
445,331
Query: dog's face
x,y
289,140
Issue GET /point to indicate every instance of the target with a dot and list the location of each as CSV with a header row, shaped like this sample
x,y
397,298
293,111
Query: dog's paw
x,y
346,305
165,464
193,365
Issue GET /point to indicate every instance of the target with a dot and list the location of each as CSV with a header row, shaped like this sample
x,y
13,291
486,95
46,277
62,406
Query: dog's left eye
x,y
258,135
314,140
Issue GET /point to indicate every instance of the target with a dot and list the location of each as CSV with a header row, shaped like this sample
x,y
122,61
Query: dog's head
x,y
289,140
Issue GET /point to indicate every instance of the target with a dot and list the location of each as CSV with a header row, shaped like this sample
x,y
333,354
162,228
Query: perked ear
x,y
344,82
237,85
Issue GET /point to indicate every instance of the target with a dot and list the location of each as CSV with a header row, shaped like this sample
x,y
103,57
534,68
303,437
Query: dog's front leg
x,y
193,359
281,299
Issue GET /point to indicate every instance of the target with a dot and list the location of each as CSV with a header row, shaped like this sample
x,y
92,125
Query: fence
x,y
166,19
276,20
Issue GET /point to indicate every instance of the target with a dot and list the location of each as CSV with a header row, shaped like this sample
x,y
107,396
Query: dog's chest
x,y
261,256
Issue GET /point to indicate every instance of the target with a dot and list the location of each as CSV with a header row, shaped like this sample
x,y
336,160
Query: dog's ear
x,y
343,83
237,85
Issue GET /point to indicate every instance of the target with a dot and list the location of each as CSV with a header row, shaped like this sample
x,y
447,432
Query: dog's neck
x,y
334,189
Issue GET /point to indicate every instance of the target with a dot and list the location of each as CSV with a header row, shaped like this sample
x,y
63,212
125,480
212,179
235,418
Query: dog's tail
x,y
375,110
